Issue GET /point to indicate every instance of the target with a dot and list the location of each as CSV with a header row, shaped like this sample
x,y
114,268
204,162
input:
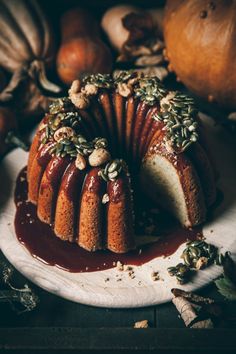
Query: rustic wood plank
x,y
56,312
168,317
176,340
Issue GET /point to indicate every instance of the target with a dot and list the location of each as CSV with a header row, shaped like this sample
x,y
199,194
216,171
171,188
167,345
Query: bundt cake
x,y
84,193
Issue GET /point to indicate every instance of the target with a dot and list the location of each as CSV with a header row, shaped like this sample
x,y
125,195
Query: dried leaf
x,y
227,283
185,309
192,297
203,324
226,288
149,60
159,71
196,311
24,297
229,268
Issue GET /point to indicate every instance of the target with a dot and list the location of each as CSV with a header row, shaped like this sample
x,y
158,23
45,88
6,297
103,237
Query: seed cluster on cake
x,y
177,110
63,129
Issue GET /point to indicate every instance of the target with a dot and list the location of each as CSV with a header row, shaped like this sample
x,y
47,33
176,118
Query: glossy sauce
x,y
42,243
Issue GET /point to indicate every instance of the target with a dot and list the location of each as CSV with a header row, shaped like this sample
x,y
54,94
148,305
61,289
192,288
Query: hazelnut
x,y
63,133
90,89
123,89
98,157
80,100
80,162
75,87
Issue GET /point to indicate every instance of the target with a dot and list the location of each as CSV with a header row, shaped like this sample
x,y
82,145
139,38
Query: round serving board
x,y
93,288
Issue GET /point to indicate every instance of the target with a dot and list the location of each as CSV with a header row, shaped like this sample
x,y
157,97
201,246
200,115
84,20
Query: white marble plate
x,y
91,288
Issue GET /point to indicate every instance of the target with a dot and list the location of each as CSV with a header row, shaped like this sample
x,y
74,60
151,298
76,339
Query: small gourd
x,y
82,50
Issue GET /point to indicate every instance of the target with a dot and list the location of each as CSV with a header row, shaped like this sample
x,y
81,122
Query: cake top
x,y
176,112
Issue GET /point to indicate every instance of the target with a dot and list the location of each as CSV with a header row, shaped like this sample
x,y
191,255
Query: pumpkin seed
x,y
112,175
172,270
194,251
196,243
187,259
112,166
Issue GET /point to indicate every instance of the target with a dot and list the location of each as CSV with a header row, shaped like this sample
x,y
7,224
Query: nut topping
x,y
98,157
123,89
80,100
63,133
90,89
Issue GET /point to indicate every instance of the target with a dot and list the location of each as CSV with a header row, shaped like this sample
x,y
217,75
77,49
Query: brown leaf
x,y
192,297
229,268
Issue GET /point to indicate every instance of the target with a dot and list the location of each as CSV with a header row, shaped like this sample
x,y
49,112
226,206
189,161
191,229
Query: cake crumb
x,y
107,279
155,276
127,268
131,274
105,198
141,324
119,266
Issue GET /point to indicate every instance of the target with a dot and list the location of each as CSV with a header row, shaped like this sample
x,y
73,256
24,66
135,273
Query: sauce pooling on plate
x,y
42,243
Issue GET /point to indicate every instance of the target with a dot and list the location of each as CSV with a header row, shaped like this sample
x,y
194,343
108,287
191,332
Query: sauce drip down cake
x,y
110,139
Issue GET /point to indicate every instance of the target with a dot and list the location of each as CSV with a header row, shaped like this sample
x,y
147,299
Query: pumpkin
x,y
201,47
82,51
26,45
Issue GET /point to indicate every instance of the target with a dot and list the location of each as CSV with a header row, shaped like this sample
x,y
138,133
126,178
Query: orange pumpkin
x,y
200,39
82,51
